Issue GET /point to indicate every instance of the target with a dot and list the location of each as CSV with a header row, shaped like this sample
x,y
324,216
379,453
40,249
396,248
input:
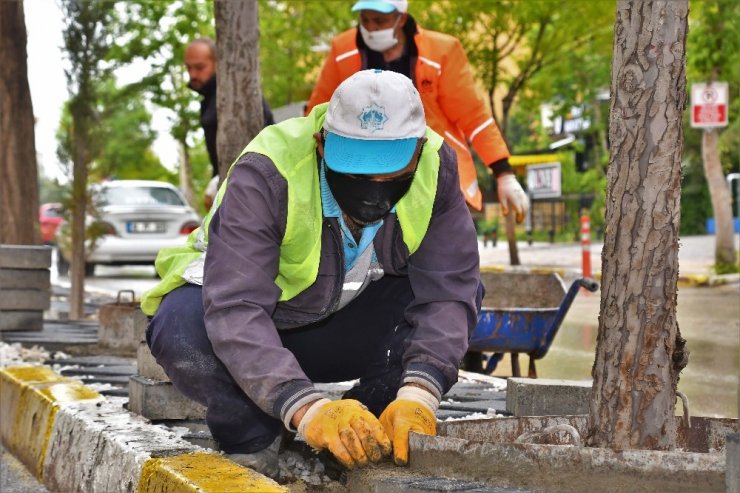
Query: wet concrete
x,y
709,319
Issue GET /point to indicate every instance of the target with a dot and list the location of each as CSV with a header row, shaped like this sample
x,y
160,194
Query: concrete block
x,y
157,400
25,279
21,320
25,256
565,467
547,397
24,299
147,366
122,326
732,463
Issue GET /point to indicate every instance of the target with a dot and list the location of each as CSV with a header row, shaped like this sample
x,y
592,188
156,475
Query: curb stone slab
x,y
73,439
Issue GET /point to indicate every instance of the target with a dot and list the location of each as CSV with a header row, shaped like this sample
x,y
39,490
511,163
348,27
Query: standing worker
x,y
200,62
339,248
388,38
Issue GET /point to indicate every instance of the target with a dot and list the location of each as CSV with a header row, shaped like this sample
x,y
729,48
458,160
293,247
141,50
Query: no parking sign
x,y
709,104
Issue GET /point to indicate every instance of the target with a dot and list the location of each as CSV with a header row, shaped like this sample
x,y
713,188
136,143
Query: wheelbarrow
x,y
521,313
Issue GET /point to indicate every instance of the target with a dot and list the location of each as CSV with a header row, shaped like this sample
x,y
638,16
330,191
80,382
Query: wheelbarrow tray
x,y
514,330
522,312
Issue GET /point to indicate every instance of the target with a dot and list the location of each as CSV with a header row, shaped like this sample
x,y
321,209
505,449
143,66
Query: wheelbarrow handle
x,y
588,283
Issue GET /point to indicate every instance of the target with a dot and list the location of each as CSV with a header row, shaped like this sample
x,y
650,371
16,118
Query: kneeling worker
x,y
339,248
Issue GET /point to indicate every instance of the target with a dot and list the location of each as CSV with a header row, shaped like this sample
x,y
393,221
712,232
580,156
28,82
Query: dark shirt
x,y
209,121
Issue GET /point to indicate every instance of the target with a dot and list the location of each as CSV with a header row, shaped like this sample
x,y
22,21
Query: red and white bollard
x,y
586,244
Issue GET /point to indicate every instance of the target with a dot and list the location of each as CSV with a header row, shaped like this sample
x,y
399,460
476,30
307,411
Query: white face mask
x,y
382,40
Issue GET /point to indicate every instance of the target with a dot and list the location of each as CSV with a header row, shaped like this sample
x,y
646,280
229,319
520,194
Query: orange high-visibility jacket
x,y
454,106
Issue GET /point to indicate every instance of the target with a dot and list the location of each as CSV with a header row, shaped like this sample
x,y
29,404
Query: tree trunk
x,y
724,249
79,205
640,352
186,175
239,105
18,172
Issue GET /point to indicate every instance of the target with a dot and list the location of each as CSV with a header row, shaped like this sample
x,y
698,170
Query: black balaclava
x,y
364,200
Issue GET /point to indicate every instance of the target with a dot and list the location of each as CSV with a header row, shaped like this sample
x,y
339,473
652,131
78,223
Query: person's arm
x,y
239,294
445,276
239,291
464,104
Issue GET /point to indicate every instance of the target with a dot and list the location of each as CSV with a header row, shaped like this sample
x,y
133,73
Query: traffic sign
x,y
544,180
709,102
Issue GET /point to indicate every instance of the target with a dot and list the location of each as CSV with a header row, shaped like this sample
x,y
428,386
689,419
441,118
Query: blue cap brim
x,y
367,157
383,7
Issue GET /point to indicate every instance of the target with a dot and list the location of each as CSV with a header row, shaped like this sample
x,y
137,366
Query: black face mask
x,y
366,201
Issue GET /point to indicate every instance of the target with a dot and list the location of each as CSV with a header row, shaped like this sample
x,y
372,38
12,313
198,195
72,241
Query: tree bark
x,y
640,352
80,159
18,171
186,175
724,249
239,105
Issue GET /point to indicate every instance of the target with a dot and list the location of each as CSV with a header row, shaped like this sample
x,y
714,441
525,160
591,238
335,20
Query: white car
x,y
137,218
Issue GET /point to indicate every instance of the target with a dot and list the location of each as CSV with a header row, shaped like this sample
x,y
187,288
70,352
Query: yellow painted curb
x,y
692,280
31,397
202,472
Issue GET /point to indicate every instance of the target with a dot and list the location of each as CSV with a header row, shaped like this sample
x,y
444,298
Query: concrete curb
x,y
73,439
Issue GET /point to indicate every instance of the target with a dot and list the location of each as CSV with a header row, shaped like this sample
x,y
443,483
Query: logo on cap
x,y
372,118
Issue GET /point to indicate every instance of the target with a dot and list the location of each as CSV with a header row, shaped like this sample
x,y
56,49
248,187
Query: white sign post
x,y
709,104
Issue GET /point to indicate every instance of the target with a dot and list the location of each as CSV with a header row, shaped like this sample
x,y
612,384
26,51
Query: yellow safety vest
x,y
292,149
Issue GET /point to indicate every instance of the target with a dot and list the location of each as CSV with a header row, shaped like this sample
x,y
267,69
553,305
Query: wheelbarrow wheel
x,y
473,361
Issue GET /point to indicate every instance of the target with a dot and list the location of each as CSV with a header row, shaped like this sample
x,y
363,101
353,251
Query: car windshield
x,y
148,196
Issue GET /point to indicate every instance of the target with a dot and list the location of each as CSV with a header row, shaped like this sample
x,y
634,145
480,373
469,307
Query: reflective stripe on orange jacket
x,y
454,106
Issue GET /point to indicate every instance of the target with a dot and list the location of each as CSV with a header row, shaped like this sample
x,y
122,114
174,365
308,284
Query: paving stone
x,y
476,406
24,299
25,256
120,381
56,335
147,365
158,400
126,370
547,397
25,278
91,361
22,320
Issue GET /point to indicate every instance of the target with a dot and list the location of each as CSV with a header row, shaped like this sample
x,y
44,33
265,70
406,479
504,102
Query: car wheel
x,y
89,269
62,264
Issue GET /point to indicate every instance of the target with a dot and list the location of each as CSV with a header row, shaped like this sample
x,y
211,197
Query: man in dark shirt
x,y
200,61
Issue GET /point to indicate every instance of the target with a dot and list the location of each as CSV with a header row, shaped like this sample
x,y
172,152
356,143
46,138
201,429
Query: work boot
x,y
263,461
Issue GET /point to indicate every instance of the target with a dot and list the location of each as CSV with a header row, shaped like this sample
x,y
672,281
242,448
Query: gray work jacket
x,y
243,315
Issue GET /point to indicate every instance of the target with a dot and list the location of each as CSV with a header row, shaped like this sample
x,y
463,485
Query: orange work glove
x,y
511,194
413,410
347,429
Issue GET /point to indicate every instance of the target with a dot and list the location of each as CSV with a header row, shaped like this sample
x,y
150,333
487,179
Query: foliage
x,y
51,190
510,43
123,136
157,33
295,38
713,53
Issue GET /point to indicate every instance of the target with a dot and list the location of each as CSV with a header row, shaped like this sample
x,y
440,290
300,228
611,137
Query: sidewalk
x,y
695,259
